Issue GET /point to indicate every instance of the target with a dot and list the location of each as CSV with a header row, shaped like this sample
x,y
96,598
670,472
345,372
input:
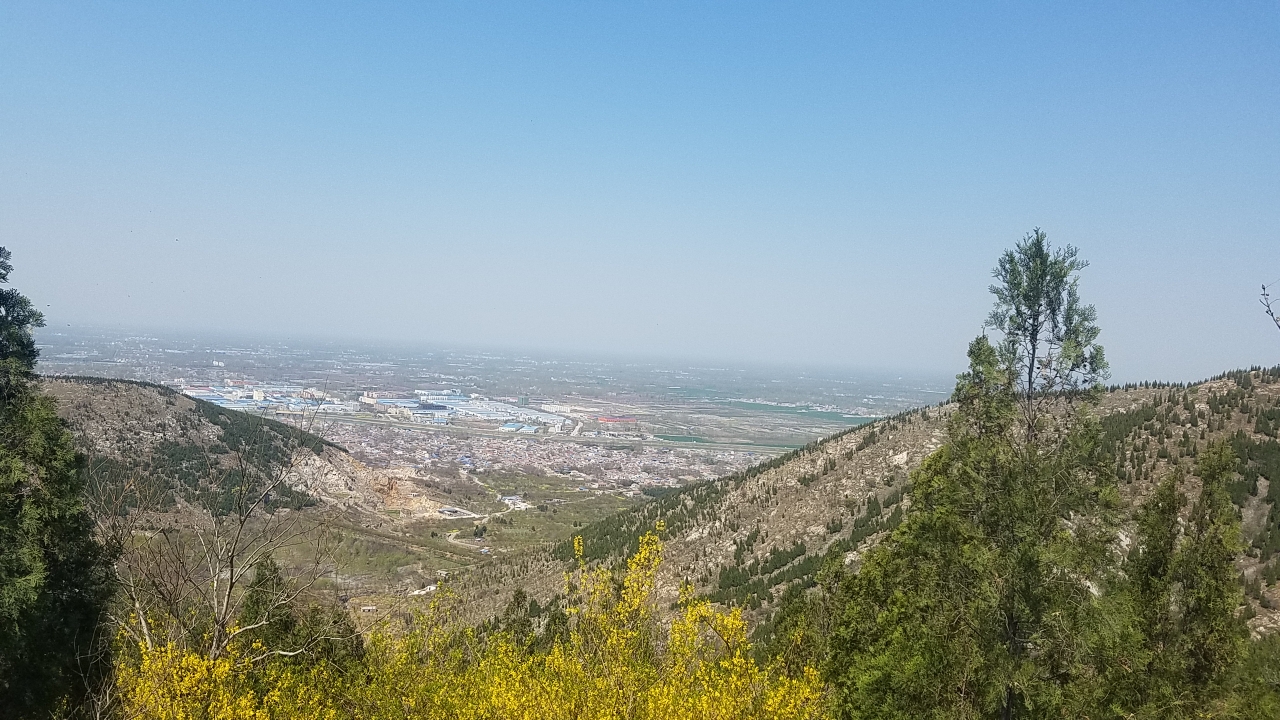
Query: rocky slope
x,y
745,538
128,428
742,539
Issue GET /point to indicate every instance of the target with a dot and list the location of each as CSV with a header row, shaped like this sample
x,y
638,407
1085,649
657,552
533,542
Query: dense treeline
x,y
55,578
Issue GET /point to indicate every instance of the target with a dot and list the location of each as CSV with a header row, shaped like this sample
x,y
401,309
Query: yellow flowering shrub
x,y
169,683
614,664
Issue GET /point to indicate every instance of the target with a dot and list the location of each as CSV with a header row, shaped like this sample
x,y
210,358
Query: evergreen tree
x,y
1181,599
266,608
54,578
1255,683
1133,642
1150,569
281,625
515,619
1048,335
975,606
18,351
1214,636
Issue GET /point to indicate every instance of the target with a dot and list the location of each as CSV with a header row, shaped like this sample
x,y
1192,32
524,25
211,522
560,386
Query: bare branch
x,y
1266,304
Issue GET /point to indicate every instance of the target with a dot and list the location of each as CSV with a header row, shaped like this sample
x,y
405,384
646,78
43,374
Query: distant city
x,y
435,407
617,426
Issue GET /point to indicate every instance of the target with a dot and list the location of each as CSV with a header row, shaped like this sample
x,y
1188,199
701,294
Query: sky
x,y
807,183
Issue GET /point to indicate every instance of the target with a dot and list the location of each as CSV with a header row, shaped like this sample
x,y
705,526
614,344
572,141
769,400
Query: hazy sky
x,y
826,184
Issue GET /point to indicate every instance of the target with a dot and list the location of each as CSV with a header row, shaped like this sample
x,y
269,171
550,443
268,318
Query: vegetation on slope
x,y
54,577
195,451
610,659
1045,559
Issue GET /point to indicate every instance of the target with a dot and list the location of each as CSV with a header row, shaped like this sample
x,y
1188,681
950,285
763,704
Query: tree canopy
x,y
1006,592
54,579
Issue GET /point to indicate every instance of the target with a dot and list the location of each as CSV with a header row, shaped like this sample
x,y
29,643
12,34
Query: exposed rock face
x,y
335,478
129,423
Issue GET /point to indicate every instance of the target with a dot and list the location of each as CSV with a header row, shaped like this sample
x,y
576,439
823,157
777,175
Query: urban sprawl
x,y
410,434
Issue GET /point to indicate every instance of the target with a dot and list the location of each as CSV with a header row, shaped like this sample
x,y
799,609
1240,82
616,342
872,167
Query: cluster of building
x,y
596,468
438,407
252,396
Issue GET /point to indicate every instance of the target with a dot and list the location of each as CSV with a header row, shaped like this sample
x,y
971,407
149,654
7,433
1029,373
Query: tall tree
x,y
1048,335
1182,595
1136,643
18,351
1151,567
974,606
54,581
1211,593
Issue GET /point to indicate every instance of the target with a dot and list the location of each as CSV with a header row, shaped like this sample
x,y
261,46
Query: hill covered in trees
x,y
751,539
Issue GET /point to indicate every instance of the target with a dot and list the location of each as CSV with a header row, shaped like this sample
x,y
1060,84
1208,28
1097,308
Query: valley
x,y
412,511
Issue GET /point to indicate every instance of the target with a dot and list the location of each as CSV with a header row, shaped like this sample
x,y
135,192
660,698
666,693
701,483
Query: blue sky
x,y
818,184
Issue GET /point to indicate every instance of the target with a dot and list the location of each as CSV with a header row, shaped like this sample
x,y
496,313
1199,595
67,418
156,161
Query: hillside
x,y
188,453
143,430
741,540
744,539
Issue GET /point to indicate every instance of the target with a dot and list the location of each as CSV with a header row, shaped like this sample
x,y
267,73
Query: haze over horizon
x,y
814,185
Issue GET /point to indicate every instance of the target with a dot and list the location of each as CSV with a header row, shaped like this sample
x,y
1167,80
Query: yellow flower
x,y
616,663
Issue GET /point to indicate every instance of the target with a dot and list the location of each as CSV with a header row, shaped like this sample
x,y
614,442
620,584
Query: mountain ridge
x,y
747,538
744,539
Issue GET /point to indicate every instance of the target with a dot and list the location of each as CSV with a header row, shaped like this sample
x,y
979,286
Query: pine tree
x,y
54,578
974,606
1214,636
266,608
1048,335
1145,602
1169,633
279,625
1150,565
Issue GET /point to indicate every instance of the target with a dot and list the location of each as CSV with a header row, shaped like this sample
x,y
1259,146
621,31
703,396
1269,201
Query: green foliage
x,y
972,606
1253,690
797,635
1001,593
1268,422
263,448
1254,460
248,453
1172,621
1049,336
18,352
1211,592
871,438
280,625
54,578
263,608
